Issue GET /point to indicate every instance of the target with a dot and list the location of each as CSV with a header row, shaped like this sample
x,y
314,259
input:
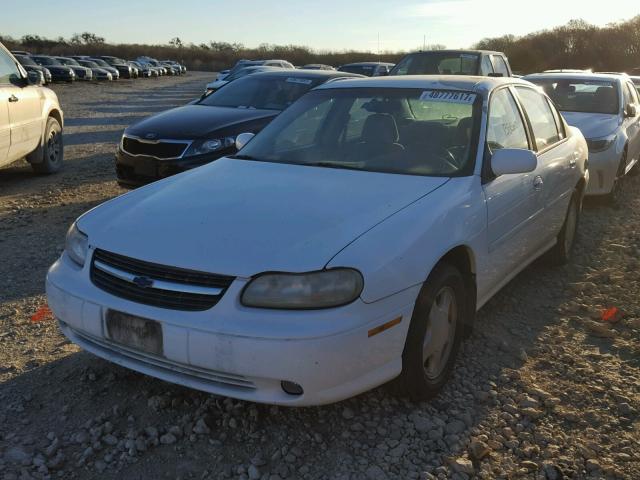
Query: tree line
x,y
212,56
578,44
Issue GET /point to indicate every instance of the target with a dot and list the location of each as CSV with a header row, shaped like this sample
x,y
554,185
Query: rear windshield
x,y
261,92
402,131
437,63
367,70
588,96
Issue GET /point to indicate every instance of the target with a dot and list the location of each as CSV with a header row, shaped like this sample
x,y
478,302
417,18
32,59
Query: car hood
x,y
59,68
195,121
593,125
240,218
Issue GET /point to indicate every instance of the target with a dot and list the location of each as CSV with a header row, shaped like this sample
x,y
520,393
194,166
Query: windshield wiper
x,y
343,166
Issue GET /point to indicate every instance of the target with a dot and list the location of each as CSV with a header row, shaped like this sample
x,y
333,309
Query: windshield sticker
x,y
468,55
303,81
462,98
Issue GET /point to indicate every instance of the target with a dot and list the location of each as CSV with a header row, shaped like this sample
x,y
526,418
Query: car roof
x,y
440,82
575,76
454,50
366,63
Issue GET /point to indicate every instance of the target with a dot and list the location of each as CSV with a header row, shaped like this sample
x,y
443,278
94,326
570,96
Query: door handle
x,y
538,183
13,98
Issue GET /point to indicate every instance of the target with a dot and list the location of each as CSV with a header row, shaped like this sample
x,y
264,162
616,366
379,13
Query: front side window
x,y
541,117
391,130
499,65
505,128
486,67
438,63
581,95
261,92
9,71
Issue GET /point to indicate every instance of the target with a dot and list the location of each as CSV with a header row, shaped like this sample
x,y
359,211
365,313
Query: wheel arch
x,y
55,113
463,259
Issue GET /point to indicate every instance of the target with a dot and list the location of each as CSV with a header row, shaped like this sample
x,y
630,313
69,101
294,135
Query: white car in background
x,y
605,107
31,119
349,243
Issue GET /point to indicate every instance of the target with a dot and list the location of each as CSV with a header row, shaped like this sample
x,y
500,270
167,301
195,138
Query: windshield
x,y
588,96
68,61
240,66
261,92
46,61
88,63
100,62
437,63
404,131
24,60
367,70
242,73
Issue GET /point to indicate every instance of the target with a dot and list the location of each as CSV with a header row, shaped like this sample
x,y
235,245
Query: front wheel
x,y
614,197
434,335
49,157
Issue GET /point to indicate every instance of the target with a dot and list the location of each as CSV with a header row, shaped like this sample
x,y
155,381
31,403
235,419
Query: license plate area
x,y
134,332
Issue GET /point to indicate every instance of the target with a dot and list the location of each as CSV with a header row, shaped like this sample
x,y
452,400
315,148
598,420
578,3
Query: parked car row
x,y
103,68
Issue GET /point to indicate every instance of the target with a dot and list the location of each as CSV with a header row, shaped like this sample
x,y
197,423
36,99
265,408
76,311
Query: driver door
x,y
513,201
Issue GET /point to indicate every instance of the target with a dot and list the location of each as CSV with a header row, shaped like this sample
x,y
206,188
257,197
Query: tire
x,y
613,198
561,252
49,157
438,314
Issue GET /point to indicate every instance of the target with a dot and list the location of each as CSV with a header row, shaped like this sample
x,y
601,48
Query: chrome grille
x,y
157,285
162,149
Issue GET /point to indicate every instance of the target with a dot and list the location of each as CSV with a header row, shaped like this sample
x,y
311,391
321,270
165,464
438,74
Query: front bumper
x,y
242,352
603,168
60,76
138,170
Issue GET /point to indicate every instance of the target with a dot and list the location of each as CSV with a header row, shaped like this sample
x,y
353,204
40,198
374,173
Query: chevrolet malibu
x,y
347,244
606,109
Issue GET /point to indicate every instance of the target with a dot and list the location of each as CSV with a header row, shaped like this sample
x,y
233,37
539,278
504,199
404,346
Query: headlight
x,y
323,289
76,245
600,144
200,147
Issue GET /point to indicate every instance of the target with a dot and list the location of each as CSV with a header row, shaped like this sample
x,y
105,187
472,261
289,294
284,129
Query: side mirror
x,y
243,139
34,78
513,160
631,110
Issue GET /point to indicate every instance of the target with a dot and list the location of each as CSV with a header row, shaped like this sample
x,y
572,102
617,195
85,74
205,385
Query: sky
x,y
371,25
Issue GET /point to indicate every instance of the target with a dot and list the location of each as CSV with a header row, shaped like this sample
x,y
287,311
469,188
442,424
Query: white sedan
x,y
348,244
605,107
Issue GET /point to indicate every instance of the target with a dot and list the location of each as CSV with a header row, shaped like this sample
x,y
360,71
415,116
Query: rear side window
x,y
8,69
558,119
541,117
505,128
499,65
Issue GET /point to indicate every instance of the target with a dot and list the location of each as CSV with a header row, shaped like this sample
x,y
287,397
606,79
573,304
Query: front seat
x,y
379,136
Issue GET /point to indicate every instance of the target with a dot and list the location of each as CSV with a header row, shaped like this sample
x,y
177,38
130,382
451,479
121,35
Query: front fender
x,y
401,251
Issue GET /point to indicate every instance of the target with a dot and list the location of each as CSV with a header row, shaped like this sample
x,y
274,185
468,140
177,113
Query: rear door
x,y
512,200
556,176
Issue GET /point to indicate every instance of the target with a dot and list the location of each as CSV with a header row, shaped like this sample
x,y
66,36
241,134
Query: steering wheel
x,y
448,159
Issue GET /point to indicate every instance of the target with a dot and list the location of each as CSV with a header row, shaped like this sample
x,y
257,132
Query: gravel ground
x,y
543,389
